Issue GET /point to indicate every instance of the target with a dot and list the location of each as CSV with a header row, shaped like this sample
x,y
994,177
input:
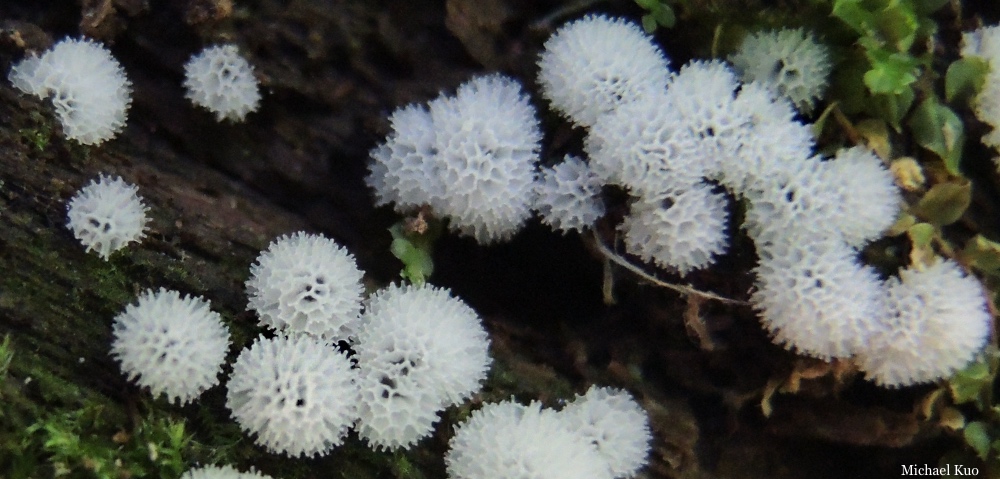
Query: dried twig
x,y
680,288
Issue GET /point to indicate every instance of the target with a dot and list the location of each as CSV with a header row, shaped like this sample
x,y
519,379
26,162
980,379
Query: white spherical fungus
x,y
790,60
703,95
403,170
89,90
419,350
487,140
306,283
106,215
471,157
521,442
596,64
814,297
222,472
678,230
852,197
297,394
772,141
646,147
222,81
171,344
937,320
615,423
567,196
868,199
791,204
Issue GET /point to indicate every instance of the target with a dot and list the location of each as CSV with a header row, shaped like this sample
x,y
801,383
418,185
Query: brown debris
x,y
99,18
201,12
478,24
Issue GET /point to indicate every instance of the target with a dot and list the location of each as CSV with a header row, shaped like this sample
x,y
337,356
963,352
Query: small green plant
x,y
891,69
966,406
660,14
79,443
413,242
40,135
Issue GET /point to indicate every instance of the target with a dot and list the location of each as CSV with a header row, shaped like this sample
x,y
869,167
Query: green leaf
x,y
921,234
417,263
897,25
965,78
890,72
851,12
944,203
968,384
647,4
937,128
664,16
892,107
648,23
977,435
982,254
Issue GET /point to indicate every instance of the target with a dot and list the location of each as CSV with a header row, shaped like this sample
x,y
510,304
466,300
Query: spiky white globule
x,y
419,350
221,80
222,472
297,394
791,204
816,298
868,200
613,421
306,283
488,141
852,197
107,215
514,441
790,60
771,141
683,230
596,64
568,196
936,321
471,157
404,167
171,344
88,86
646,147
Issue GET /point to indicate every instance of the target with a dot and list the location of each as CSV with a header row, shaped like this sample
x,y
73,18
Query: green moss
x,y
38,135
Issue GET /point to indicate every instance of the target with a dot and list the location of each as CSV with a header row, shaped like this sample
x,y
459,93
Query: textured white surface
x,y
219,79
171,344
296,394
419,350
596,64
789,60
937,321
89,90
683,230
222,472
613,421
471,157
816,298
306,283
513,441
568,196
106,215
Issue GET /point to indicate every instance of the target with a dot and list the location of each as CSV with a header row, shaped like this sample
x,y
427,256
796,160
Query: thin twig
x,y
680,288
545,23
